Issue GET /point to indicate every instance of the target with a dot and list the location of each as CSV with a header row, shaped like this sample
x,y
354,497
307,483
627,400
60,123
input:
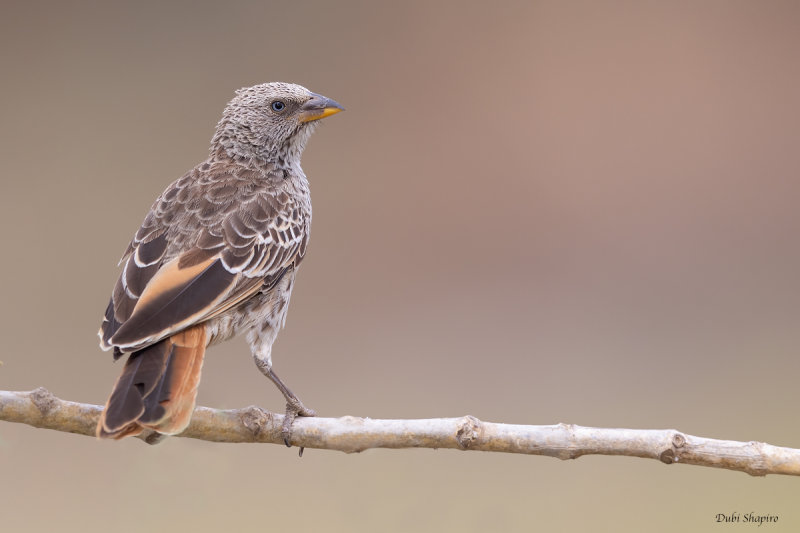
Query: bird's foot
x,y
294,408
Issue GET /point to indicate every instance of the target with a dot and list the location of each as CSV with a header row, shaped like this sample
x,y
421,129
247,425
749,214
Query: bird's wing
x,y
248,238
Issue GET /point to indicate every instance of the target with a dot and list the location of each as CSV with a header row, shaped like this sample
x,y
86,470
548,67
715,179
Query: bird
x,y
216,256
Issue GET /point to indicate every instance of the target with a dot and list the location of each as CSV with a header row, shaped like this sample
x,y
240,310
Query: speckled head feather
x,y
216,256
270,121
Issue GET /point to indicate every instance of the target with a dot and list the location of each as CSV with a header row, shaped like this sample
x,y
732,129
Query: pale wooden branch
x,y
39,408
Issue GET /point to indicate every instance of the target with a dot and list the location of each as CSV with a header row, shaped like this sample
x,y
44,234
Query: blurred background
x,y
533,212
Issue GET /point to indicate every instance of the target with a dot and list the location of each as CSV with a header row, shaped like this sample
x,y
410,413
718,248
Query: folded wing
x,y
245,243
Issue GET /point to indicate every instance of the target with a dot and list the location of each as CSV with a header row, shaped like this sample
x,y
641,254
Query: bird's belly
x,y
264,311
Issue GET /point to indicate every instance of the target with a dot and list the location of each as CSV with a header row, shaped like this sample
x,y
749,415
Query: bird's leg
x,y
294,407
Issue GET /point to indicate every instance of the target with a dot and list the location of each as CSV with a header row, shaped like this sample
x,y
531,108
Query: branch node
x,y
44,400
667,456
678,440
255,419
759,468
469,431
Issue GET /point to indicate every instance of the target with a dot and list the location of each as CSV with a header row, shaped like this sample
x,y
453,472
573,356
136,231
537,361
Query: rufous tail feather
x,y
157,388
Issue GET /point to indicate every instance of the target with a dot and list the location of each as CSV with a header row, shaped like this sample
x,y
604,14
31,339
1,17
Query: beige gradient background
x,y
534,212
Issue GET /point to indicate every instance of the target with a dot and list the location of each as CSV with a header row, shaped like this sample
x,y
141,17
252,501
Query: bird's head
x,y
271,122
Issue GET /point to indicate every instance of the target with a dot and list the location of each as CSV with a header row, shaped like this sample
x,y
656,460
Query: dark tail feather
x,y
157,388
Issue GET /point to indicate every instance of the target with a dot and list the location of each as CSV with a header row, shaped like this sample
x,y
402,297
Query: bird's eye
x,y
278,106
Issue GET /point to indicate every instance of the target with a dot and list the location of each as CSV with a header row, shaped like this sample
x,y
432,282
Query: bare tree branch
x,y
39,408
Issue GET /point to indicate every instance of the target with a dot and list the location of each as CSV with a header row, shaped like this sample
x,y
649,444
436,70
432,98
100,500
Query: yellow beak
x,y
318,107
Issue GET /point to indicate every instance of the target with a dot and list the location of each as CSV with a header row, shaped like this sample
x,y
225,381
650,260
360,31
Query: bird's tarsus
x,y
294,407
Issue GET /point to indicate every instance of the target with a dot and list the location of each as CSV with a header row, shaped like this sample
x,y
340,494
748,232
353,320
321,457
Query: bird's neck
x,y
249,149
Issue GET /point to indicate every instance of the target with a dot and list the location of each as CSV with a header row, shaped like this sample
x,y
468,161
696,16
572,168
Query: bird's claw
x,y
294,408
